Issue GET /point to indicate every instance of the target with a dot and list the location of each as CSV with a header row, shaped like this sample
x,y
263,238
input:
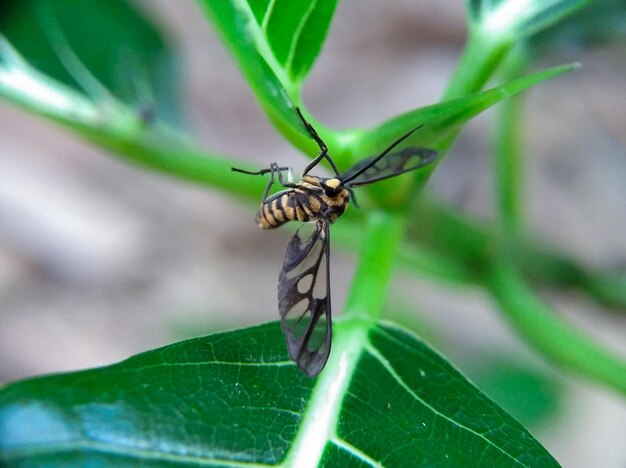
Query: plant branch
x,y
470,242
480,58
181,160
366,297
557,340
508,171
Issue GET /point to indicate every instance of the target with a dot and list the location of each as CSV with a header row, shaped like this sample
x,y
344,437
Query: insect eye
x,y
330,192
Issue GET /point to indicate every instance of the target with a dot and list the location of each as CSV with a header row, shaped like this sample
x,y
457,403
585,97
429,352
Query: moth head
x,y
332,187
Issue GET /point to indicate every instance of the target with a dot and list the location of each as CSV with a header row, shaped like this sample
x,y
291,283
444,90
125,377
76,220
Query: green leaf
x,y
531,395
440,121
518,19
112,46
275,43
495,27
114,126
235,398
599,23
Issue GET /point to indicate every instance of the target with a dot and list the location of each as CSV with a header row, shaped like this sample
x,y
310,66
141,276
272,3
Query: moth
x,y
304,281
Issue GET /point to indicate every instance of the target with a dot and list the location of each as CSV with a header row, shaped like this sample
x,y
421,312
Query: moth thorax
x,y
312,180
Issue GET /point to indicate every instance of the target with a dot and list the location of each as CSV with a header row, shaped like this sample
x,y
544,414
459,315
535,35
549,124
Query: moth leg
x,y
279,171
273,170
323,148
262,171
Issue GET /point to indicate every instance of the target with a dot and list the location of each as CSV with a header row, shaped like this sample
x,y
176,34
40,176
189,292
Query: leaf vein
x,y
352,450
205,363
387,365
263,46
296,35
267,15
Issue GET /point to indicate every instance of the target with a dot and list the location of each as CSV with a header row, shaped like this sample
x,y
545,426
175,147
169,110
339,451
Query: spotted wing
x,y
390,165
304,299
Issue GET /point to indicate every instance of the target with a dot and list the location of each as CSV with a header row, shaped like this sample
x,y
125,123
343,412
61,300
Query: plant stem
x,y
507,168
445,244
173,157
508,172
480,58
383,232
557,340
120,129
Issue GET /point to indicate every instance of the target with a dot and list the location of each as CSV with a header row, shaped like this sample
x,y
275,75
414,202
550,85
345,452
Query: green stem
x,y
120,129
557,340
508,172
383,232
173,157
435,264
480,58
470,242
466,242
608,288
507,167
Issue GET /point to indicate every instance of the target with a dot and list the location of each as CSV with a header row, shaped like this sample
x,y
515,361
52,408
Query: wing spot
x,y
295,318
320,289
304,283
317,342
308,263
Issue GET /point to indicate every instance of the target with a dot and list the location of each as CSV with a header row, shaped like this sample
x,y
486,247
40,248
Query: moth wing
x,y
304,299
391,165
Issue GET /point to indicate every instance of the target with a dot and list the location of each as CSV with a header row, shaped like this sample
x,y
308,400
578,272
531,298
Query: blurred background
x,y
100,260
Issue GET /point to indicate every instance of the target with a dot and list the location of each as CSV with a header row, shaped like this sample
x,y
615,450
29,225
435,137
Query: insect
x,y
304,281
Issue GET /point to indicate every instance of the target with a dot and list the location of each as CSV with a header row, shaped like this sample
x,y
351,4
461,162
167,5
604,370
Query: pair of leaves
x,y
265,35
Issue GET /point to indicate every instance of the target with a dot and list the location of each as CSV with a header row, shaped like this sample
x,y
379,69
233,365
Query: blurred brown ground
x,y
100,260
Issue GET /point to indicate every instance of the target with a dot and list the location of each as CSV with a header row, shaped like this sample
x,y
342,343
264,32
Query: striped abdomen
x,y
300,205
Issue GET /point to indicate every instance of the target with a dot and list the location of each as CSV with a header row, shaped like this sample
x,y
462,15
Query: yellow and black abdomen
x,y
292,206
303,205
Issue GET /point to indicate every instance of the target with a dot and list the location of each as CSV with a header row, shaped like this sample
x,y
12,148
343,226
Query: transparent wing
x,y
304,299
390,165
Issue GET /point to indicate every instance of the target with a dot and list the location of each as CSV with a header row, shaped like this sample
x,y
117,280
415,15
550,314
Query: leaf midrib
x,y
263,46
297,33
